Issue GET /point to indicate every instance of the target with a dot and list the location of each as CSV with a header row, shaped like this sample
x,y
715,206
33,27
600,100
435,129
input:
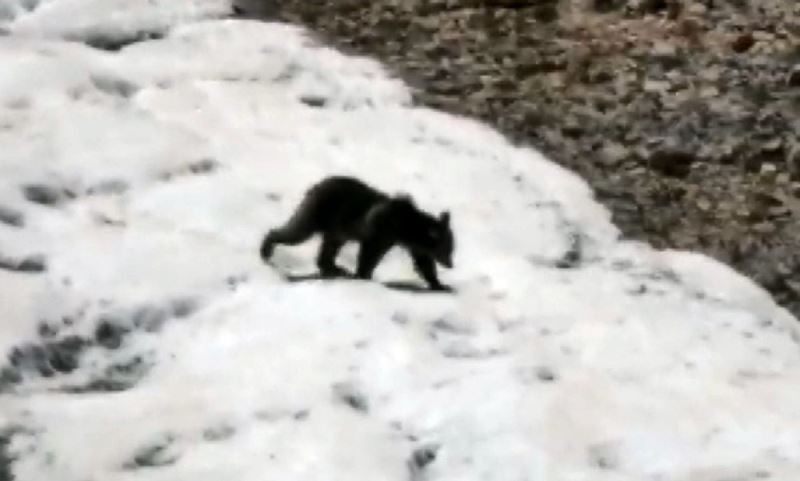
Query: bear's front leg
x,y
426,268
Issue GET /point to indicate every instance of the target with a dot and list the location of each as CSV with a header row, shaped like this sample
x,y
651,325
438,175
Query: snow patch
x,y
147,177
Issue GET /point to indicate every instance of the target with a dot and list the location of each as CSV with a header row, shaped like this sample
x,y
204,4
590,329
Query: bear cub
x,y
346,209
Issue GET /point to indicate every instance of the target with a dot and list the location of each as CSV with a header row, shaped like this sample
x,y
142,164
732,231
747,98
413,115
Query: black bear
x,y
346,209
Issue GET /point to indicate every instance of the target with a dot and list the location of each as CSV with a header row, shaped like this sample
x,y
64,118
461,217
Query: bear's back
x,y
342,203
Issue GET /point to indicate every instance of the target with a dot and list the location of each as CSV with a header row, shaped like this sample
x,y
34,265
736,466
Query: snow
x,y
167,160
110,23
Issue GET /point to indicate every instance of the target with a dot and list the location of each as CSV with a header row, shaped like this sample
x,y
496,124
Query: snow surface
x,y
143,180
111,22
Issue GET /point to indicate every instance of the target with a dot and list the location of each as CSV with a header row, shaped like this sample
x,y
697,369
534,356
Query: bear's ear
x,y
444,218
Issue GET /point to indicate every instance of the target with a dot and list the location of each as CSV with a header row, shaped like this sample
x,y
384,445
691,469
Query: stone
x,y
793,160
793,80
653,6
768,170
673,162
709,92
606,5
778,211
674,9
546,13
662,48
742,43
772,146
764,227
572,128
656,85
697,8
613,153
516,3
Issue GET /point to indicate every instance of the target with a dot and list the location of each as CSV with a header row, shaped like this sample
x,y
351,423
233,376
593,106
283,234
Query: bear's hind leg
x,y
326,259
369,256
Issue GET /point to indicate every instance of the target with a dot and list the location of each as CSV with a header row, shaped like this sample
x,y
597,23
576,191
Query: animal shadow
x,y
305,277
405,286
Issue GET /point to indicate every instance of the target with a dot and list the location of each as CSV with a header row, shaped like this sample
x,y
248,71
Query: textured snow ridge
x,y
146,340
106,24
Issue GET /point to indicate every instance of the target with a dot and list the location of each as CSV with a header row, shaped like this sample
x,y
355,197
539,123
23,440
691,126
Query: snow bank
x,y
107,24
152,343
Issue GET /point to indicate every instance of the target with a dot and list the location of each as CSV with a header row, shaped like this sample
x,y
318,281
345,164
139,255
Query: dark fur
x,y
345,209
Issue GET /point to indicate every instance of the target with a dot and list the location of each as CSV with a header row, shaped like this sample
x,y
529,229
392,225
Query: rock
x,y
742,43
772,146
674,9
658,86
652,6
711,73
697,9
793,79
256,8
663,49
613,153
768,171
762,36
764,227
779,211
508,3
572,128
793,160
709,91
767,199
606,5
546,13
673,162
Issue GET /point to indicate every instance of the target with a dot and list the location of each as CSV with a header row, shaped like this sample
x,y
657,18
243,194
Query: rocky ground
x,y
682,114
